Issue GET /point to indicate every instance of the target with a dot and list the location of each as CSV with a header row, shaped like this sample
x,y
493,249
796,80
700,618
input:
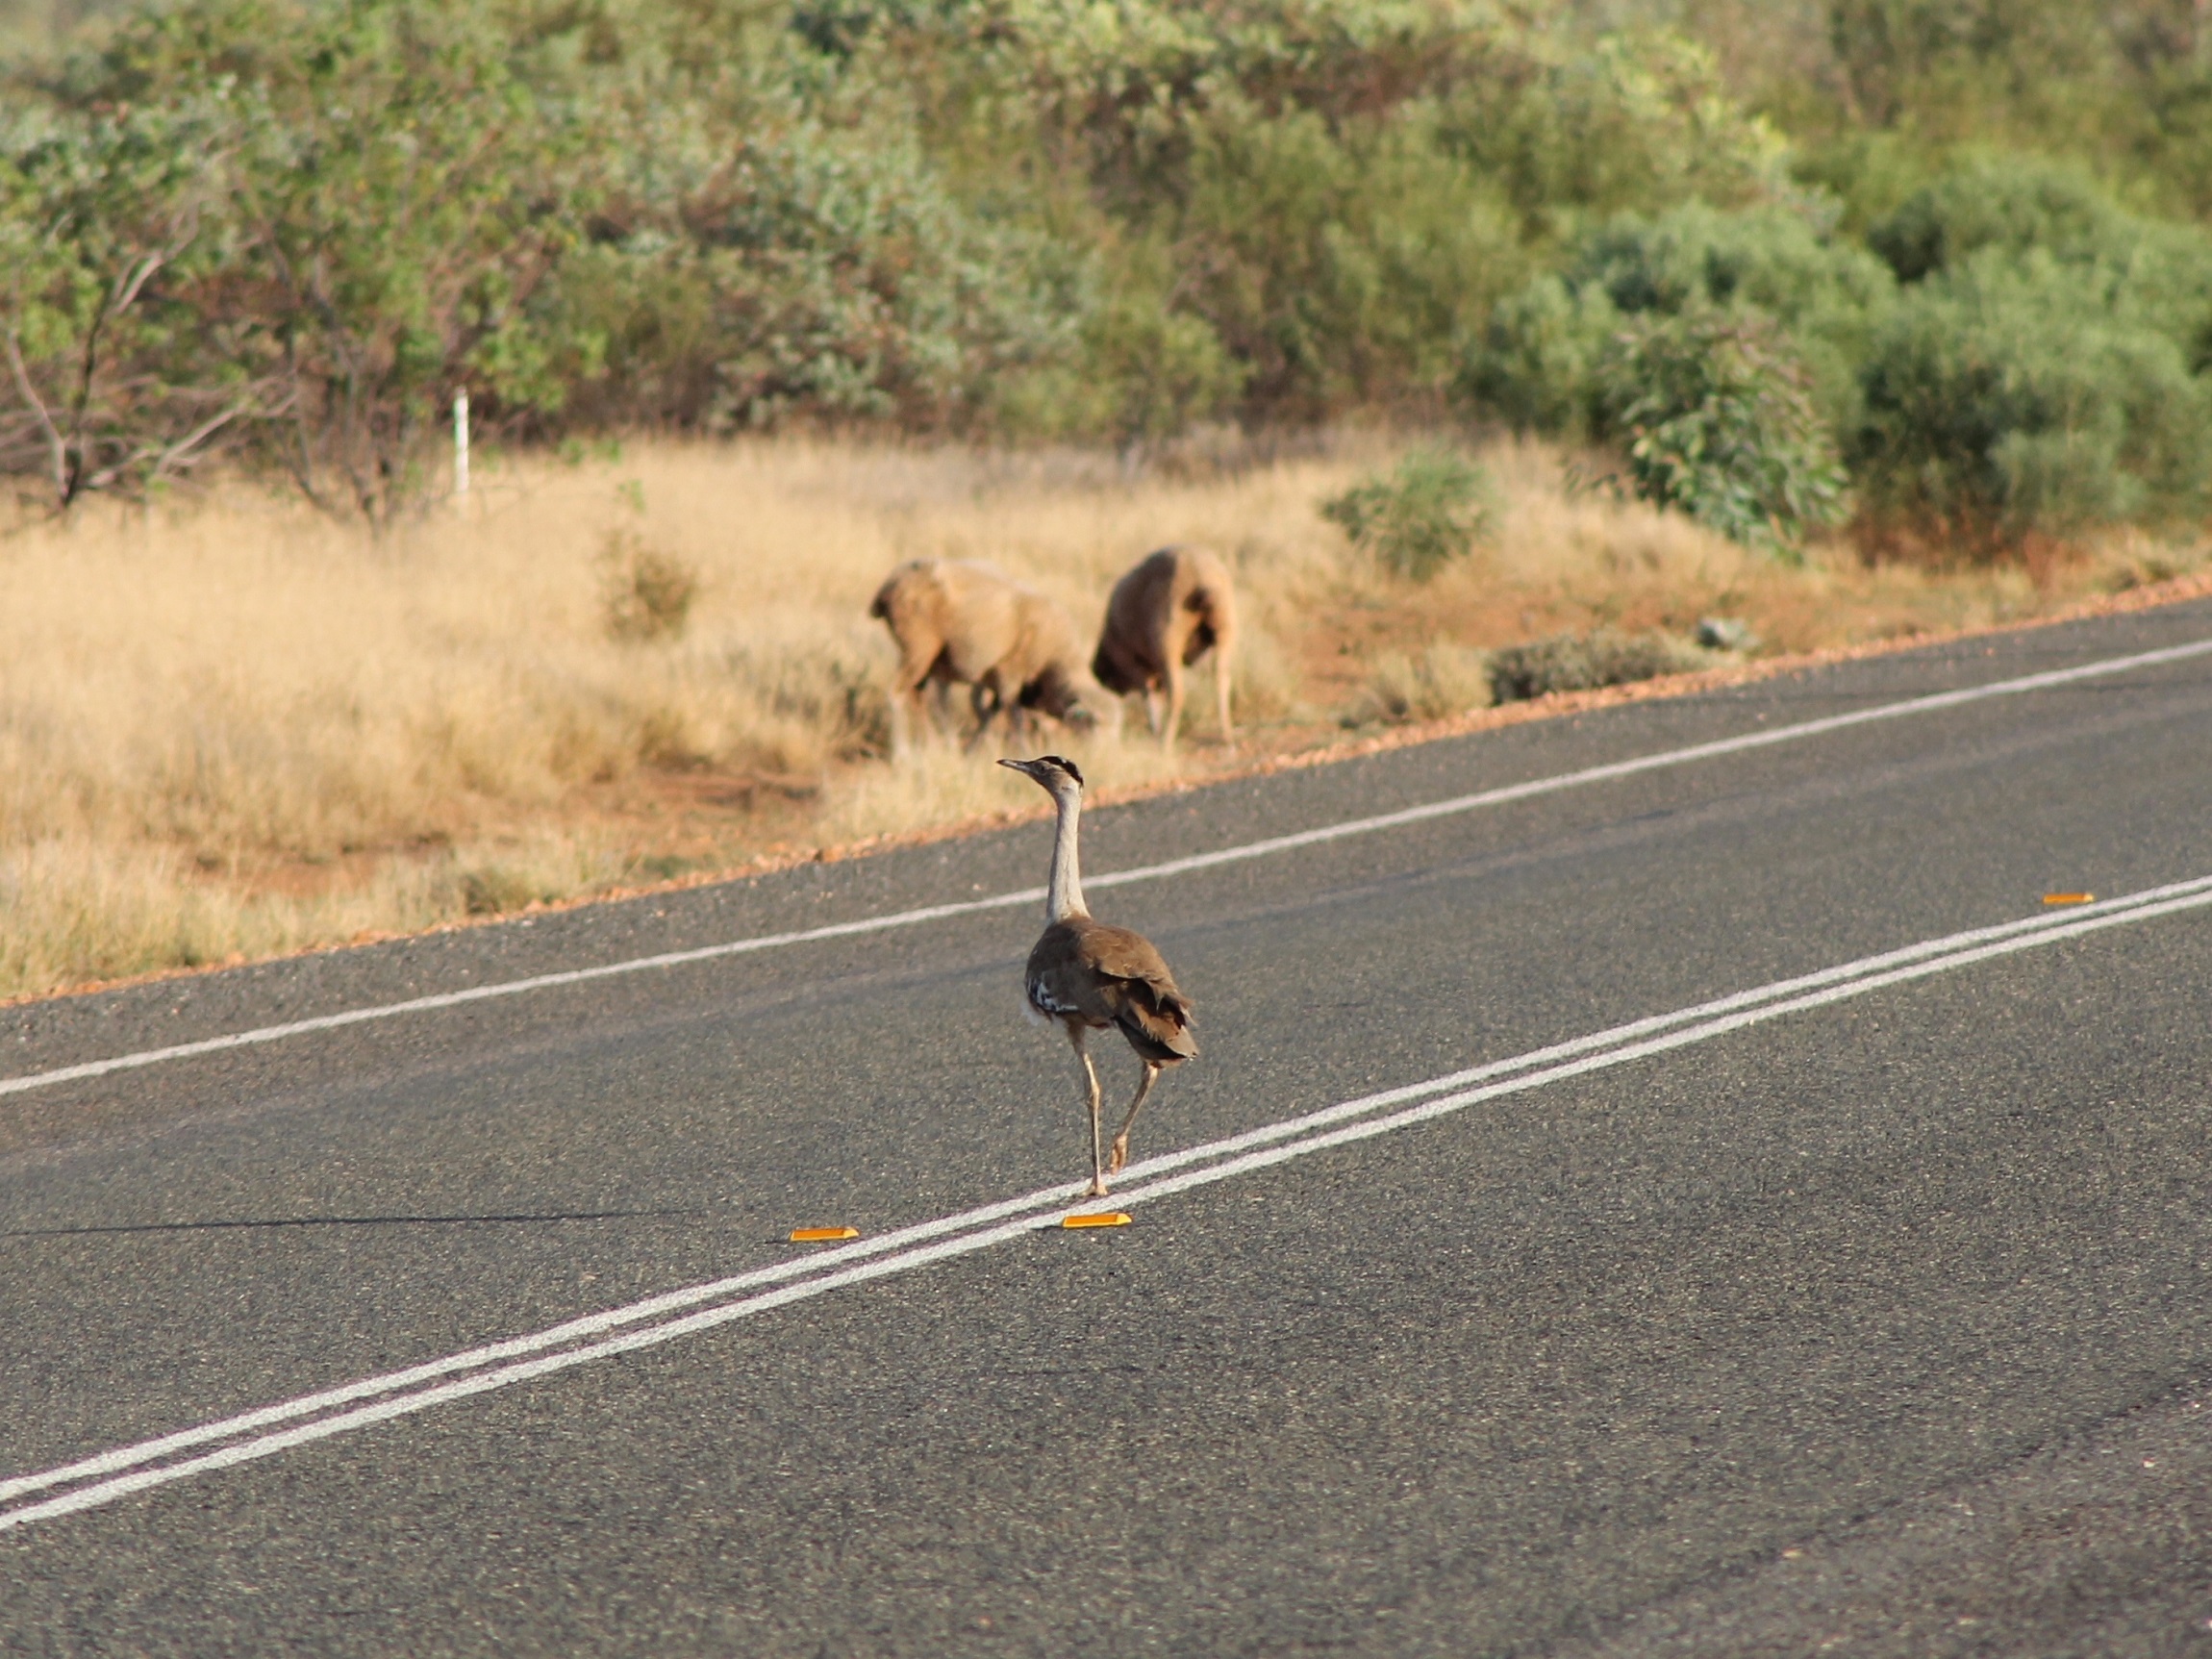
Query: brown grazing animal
x,y
1165,615
1088,976
957,623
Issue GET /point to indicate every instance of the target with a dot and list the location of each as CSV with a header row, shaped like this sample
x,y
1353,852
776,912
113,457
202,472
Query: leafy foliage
x,y
313,253
2014,203
1911,85
2016,395
803,269
1714,411
2030,361
2044,371
106,242
1431,510
287,231
1539,362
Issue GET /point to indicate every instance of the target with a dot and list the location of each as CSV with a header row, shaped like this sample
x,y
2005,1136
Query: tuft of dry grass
x,y
1439,680
231,728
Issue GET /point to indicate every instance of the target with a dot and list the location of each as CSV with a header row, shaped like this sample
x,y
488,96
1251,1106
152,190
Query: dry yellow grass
x,y
229,727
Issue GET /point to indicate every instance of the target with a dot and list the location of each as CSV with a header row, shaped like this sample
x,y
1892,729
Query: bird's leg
x,y
1120,1154
1091,1079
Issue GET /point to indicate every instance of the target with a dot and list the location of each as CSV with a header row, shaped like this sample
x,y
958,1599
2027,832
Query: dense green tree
x,y
115,237
289,231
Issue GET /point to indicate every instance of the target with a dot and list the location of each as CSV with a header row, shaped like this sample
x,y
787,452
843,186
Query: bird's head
x,y
1057,773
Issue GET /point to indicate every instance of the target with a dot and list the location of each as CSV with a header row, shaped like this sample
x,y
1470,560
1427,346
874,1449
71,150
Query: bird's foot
x,y
1118,1156
1097,1187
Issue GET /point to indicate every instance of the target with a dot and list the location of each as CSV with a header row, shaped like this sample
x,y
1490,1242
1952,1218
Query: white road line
x,y
1145,872
596,1324
137,1468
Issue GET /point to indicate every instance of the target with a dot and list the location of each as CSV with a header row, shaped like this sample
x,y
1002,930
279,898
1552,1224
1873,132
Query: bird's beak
x,y
1022,766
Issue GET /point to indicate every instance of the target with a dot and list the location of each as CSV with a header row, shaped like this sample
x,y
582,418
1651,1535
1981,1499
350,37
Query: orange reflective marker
x,y
1105,1219
2069,899
820,1235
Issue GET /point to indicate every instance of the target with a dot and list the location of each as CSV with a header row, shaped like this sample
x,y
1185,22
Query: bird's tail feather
x,y
1159,1028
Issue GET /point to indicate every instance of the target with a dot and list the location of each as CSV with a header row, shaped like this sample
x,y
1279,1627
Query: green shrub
x,y
2166,286
1430,510
1538,362
2016,203
109,384
1713,410
2014,395
2011,208
1586,661
1829,296
1344,190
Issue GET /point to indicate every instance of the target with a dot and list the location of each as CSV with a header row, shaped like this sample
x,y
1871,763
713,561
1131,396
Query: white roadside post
x,y
460,448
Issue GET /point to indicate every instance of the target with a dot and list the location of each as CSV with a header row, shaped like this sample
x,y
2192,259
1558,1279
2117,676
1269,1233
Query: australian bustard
x,y
1086,975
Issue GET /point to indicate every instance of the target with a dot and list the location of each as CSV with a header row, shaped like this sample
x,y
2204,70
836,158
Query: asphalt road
x,y
1877,1325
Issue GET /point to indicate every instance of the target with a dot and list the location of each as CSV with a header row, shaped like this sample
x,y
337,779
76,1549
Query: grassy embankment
x,y
231,728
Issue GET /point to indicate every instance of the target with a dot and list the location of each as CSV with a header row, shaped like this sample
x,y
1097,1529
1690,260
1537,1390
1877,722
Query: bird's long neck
x,y
1063,895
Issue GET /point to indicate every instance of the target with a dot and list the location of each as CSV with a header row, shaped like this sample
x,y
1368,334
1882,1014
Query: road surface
x,y
1687,1193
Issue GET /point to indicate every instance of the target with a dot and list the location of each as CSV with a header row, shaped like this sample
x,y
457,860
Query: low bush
x,y
1147,372
1717,419
1338,262
1586,661
1430,510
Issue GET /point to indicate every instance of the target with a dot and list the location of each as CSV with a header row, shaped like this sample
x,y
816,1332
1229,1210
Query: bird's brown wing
x,y
1138,993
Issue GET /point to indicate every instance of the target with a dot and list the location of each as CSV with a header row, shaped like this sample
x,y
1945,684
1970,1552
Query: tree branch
x,y
55,448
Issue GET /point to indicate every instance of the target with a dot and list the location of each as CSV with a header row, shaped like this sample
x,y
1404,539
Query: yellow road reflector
x,y
2069,899
817,1235
1107,1218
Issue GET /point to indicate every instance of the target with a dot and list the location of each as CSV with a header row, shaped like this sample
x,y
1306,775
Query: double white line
x,y
102,1479
1662,760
